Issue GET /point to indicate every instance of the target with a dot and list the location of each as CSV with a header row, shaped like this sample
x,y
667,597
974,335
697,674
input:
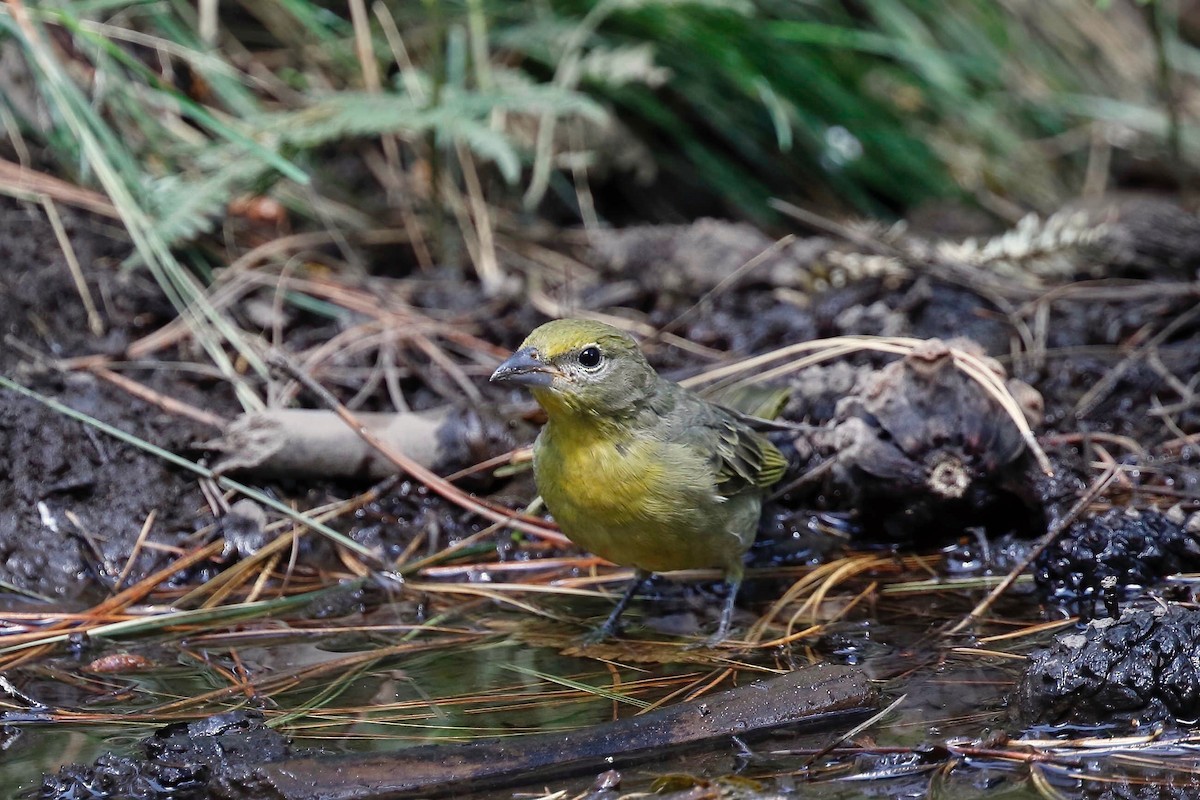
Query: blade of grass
x,y
598,691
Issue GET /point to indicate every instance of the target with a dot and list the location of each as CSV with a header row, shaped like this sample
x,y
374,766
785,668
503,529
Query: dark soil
x,y
177,762
56,468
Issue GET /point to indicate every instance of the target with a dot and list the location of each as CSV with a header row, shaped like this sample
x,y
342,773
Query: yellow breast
x,y
635,501
618,480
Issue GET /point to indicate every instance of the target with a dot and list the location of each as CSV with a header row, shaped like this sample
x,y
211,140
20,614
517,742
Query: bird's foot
x,y
722,632
609,628
711,643
598,635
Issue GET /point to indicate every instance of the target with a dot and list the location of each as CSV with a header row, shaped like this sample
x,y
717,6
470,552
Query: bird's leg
x,y
609,627
733,582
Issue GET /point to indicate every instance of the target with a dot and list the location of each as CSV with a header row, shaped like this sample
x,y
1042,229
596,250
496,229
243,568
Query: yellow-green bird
x,y
634,467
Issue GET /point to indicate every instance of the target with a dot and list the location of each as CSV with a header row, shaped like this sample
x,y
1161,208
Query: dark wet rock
x,y
1165,784
1110,556
1144,666
175,763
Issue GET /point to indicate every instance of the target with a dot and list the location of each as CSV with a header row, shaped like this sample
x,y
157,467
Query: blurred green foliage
x,y
871,104
865,105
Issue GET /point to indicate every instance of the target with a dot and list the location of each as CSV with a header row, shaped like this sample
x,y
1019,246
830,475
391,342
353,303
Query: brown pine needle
x,y
137,548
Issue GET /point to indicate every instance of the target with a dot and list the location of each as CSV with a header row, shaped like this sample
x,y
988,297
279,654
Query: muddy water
x,y
500,685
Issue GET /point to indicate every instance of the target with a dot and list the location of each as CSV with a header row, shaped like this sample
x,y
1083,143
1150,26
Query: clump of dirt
x,y
921,431
1111,556
1139,667
176,762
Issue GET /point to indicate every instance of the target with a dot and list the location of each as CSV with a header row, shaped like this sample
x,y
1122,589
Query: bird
x,y
636,468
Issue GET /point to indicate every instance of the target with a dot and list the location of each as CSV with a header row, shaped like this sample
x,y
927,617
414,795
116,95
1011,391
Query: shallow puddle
x,y
356,687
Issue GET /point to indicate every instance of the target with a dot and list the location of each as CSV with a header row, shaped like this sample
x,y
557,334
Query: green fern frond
x,y
483,141
184,208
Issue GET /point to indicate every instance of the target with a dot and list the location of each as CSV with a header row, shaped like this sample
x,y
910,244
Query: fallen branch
x,y
814,697
299,443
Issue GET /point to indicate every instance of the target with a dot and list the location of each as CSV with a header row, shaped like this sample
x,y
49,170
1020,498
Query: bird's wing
x,y
741,458
745,458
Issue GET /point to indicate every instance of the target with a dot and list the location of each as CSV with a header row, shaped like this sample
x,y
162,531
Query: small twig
x,y
857,729
95,323
520,455
826,225
1095,490
1099,160
208,13
169,404
439,357
583,188
23,182
486,264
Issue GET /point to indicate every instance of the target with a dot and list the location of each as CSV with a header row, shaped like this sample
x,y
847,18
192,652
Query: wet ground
x,y
1110,342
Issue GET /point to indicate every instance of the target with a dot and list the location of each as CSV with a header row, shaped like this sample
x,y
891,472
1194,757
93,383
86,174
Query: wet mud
x,y
73,501
178,762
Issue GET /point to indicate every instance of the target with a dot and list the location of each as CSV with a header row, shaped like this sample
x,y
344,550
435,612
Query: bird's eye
x,y
590,357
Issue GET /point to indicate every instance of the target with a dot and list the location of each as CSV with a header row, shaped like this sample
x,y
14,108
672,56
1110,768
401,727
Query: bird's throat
x,y
553,403
568,412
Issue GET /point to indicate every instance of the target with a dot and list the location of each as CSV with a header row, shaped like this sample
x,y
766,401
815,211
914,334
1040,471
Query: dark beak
x,y
524,367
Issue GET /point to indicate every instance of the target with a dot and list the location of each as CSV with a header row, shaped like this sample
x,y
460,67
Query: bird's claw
x,y
711,643
598,635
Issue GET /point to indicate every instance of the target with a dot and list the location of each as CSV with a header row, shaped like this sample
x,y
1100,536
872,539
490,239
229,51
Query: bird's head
x,y
577,366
